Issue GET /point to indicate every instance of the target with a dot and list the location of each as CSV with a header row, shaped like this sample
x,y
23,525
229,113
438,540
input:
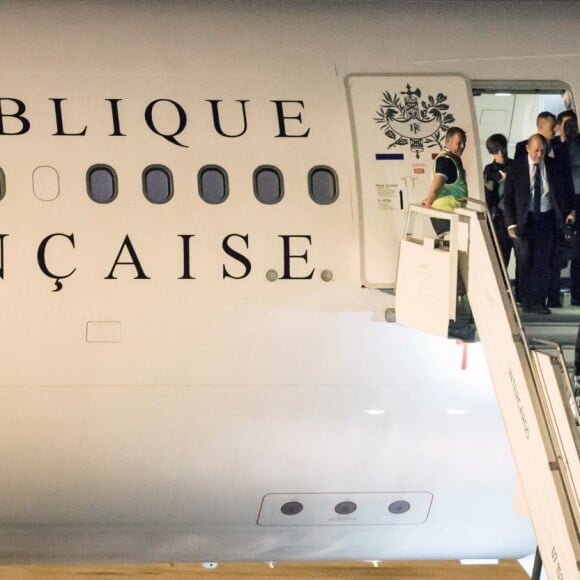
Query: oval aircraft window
x,y
212,184
322,185
45,183
101,183
157,184
2,184
268,184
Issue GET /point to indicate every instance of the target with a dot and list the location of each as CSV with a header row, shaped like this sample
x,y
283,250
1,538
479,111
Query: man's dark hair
x,y
565,114
545,115
452,131
496,143
570,128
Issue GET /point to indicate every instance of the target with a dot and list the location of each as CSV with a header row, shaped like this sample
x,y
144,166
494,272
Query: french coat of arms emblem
x,y
410,122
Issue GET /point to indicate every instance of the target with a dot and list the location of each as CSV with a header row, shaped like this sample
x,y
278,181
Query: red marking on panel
x,y
464,356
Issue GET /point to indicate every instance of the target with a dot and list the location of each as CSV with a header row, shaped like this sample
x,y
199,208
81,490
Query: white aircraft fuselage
x,y
176,376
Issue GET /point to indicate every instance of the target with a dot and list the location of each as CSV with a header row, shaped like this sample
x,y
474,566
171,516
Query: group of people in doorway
x,y
533,200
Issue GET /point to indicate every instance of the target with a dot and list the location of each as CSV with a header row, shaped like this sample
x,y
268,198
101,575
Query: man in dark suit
x,y
558,148
546,125
538,199
570,144
561,119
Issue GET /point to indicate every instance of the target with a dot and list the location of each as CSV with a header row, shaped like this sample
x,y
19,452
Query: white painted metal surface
x,y
416,110
426,291
147,419
541,429
519,389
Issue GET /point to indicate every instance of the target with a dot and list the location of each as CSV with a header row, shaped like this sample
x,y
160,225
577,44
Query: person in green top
x,y
448,188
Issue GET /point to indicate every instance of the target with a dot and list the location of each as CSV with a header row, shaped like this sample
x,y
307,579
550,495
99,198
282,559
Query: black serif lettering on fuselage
x,y
288,118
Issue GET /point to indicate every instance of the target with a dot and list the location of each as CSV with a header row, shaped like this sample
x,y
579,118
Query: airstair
x,y
531,377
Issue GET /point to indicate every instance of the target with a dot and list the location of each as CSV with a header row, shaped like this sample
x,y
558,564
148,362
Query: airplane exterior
x,y
196,364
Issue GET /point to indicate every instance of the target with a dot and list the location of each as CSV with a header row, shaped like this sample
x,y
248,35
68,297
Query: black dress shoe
x,y
540,309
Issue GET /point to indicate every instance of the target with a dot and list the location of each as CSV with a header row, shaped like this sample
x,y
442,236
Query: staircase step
x,y
563,333
561,327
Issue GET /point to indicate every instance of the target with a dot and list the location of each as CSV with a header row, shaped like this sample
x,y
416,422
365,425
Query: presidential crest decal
x,y
410,122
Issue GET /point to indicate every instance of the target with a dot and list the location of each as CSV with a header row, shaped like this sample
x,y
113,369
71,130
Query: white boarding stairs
x,y
532,386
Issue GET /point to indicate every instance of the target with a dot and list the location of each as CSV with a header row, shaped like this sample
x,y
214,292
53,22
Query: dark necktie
x,y
537,189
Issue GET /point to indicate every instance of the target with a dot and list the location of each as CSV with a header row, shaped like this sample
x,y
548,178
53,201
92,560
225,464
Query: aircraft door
x,y
496,115
398,125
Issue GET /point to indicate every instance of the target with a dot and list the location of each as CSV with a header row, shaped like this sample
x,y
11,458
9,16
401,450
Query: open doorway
x,y
511,108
